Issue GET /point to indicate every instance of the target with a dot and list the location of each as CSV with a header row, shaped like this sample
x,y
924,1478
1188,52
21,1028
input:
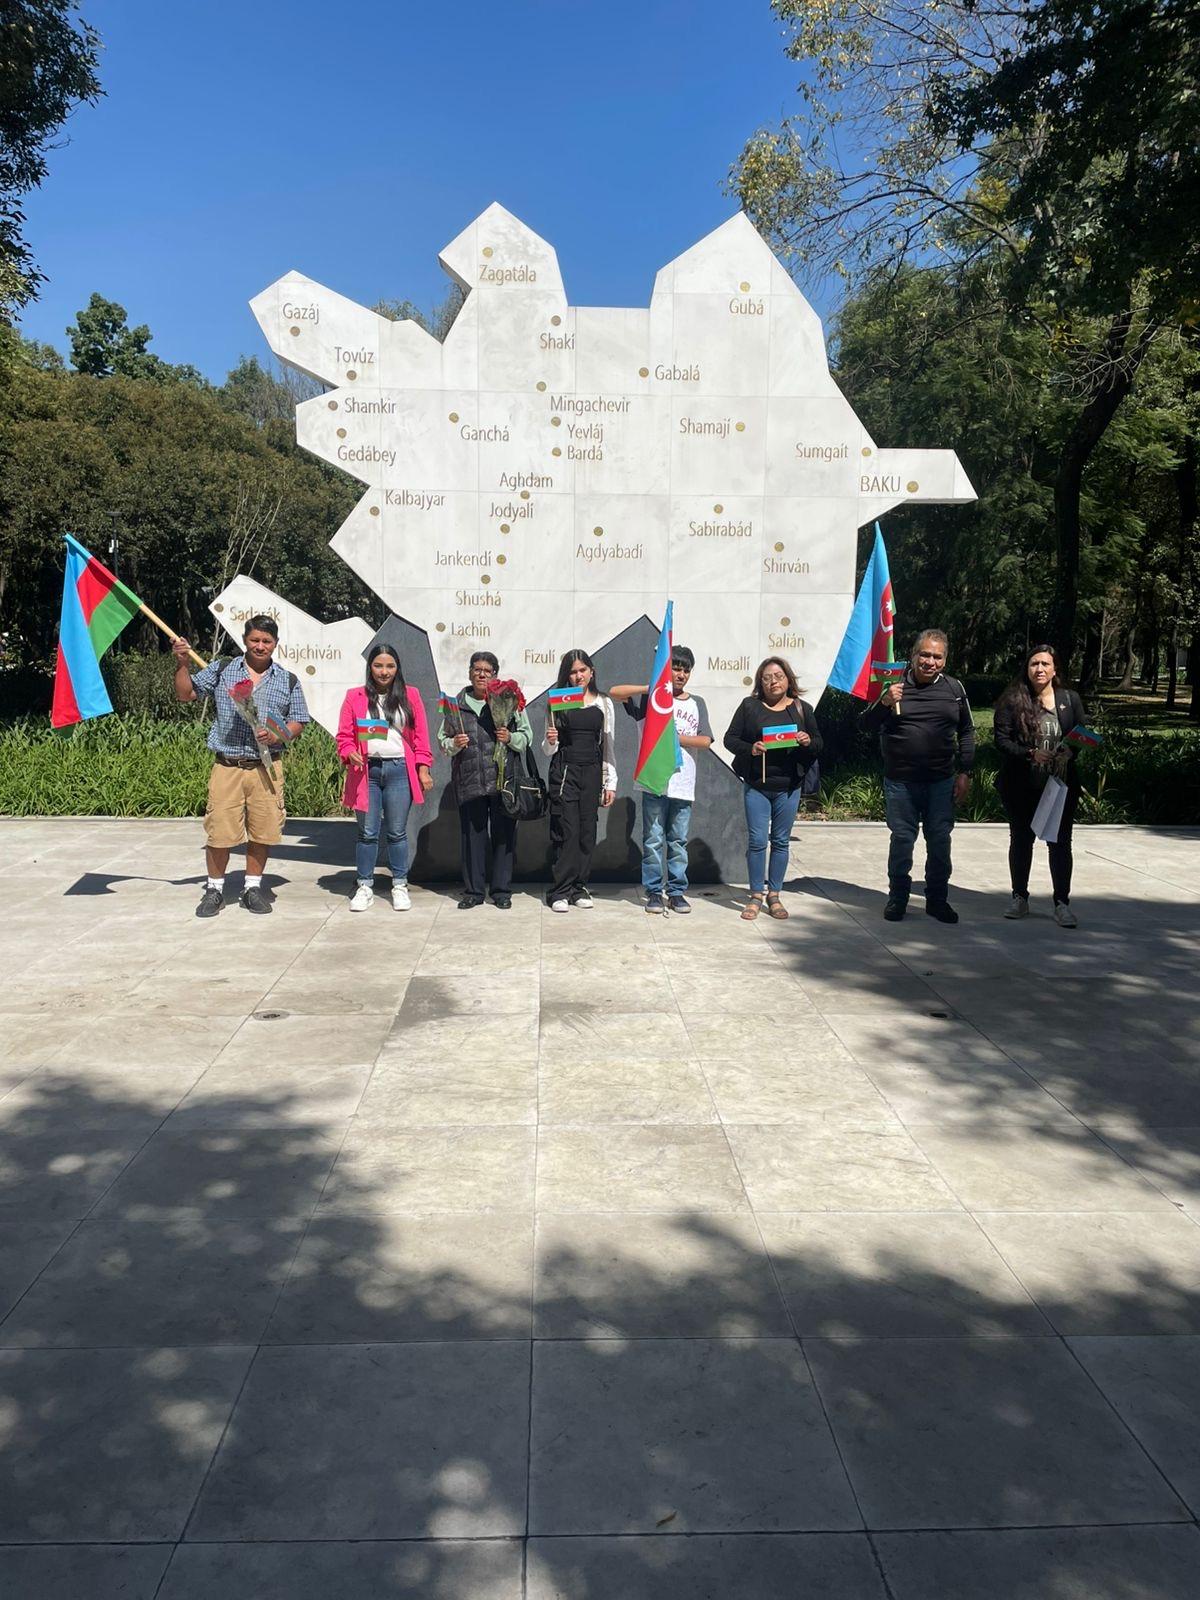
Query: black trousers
x,y
479,820
1020,796
574,805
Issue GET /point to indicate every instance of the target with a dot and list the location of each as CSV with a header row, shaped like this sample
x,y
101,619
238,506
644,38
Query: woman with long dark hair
x,y
583,777
772,775
1031,717
383,739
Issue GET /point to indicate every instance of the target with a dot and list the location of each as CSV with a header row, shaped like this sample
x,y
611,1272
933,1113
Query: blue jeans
x,y
390,798
910,807
669,820
769,816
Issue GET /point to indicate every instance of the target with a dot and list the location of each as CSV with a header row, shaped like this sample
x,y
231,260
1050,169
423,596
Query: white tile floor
x,y
601,1257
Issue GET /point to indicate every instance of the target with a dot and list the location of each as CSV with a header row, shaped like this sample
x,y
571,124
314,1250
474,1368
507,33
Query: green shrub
x,y
139,766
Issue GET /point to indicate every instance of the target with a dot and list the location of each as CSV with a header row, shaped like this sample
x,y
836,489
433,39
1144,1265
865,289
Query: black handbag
x,y
523,792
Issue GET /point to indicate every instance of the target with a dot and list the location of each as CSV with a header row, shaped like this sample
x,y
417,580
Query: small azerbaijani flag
x,y
280,729
96,605
886,671
448,707
570,698
1084,738
781,736
371,728
659,754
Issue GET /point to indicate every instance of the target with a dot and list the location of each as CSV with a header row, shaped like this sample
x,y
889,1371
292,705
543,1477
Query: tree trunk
x,y
1126,684
1189,513
1089,672
1193,669
1114,380
1172,667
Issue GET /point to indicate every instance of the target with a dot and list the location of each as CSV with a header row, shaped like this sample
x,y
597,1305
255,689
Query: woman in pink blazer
x,y
383,738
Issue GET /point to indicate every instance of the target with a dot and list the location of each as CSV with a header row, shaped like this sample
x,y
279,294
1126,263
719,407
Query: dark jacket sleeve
x,y
966,734
812,730
739,736
1006,731
872,717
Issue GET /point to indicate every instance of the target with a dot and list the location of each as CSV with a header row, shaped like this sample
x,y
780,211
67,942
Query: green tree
x,y
48,65
103,345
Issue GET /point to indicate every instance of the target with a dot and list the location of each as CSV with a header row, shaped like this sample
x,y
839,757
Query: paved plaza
x,y
480,1255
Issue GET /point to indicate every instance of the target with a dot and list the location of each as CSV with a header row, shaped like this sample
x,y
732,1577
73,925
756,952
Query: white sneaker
x,y
1065,917
400,897
364,898
1019,907
583,902
559,905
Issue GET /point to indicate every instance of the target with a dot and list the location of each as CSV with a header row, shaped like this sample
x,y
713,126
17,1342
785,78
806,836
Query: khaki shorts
x,y
245,803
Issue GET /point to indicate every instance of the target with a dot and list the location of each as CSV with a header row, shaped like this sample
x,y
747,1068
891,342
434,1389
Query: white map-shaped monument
x,y
552,472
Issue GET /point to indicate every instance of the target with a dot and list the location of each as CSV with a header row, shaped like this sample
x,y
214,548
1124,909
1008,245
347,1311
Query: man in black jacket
x,y
927,738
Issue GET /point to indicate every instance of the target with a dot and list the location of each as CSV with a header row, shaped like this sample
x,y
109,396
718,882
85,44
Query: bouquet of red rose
x,y
504,700
242,695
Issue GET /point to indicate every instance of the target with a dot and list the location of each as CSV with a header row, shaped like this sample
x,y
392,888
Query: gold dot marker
x,y
541,388
441,627
643,372
500,560
504,528
779,544
333,405
785,622
341,433
747,681
524,494
374,511
556,451
487,250
556,322
718,509
295,332
740,426
912,487
556,422
744,287
218,606
866,449
485,578
454,416
312,671
598,532
352,376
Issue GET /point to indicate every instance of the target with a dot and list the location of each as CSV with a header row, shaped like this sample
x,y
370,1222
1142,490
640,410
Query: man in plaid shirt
x,y
245,793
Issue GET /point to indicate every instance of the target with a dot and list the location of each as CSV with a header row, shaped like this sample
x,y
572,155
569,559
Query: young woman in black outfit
x,y
583,777
772,778
1031,717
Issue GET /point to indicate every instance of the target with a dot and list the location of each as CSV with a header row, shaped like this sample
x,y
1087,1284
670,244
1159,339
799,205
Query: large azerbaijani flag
x,y
659,755
868,644
96,605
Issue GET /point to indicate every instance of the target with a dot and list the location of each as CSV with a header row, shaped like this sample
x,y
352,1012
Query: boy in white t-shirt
x,y
667,817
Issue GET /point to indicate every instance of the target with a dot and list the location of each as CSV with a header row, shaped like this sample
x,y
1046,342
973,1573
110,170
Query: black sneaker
x,y
257,900
211,902
653,904
941,910
676,903
502,902
895,908
470,901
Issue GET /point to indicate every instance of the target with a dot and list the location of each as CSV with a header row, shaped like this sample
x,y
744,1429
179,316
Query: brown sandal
x,y
752,910
776,909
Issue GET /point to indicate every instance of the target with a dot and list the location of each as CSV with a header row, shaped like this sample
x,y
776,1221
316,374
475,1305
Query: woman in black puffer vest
x,y
469,738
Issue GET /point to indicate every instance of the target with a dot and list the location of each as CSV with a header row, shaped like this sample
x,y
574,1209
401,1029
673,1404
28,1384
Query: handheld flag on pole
x,y
570,698
868,642
887,671
370,728
96,606
449,707
781,737
1083,738
659,755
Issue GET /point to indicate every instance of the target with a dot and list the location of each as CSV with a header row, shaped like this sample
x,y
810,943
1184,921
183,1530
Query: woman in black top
x,y
772,776
1031,717
583,778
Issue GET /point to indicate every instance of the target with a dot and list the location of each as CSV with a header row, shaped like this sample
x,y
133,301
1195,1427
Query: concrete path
x,y
470,1256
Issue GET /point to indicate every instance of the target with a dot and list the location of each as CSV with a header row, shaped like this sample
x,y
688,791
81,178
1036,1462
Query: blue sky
x,y
352,141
